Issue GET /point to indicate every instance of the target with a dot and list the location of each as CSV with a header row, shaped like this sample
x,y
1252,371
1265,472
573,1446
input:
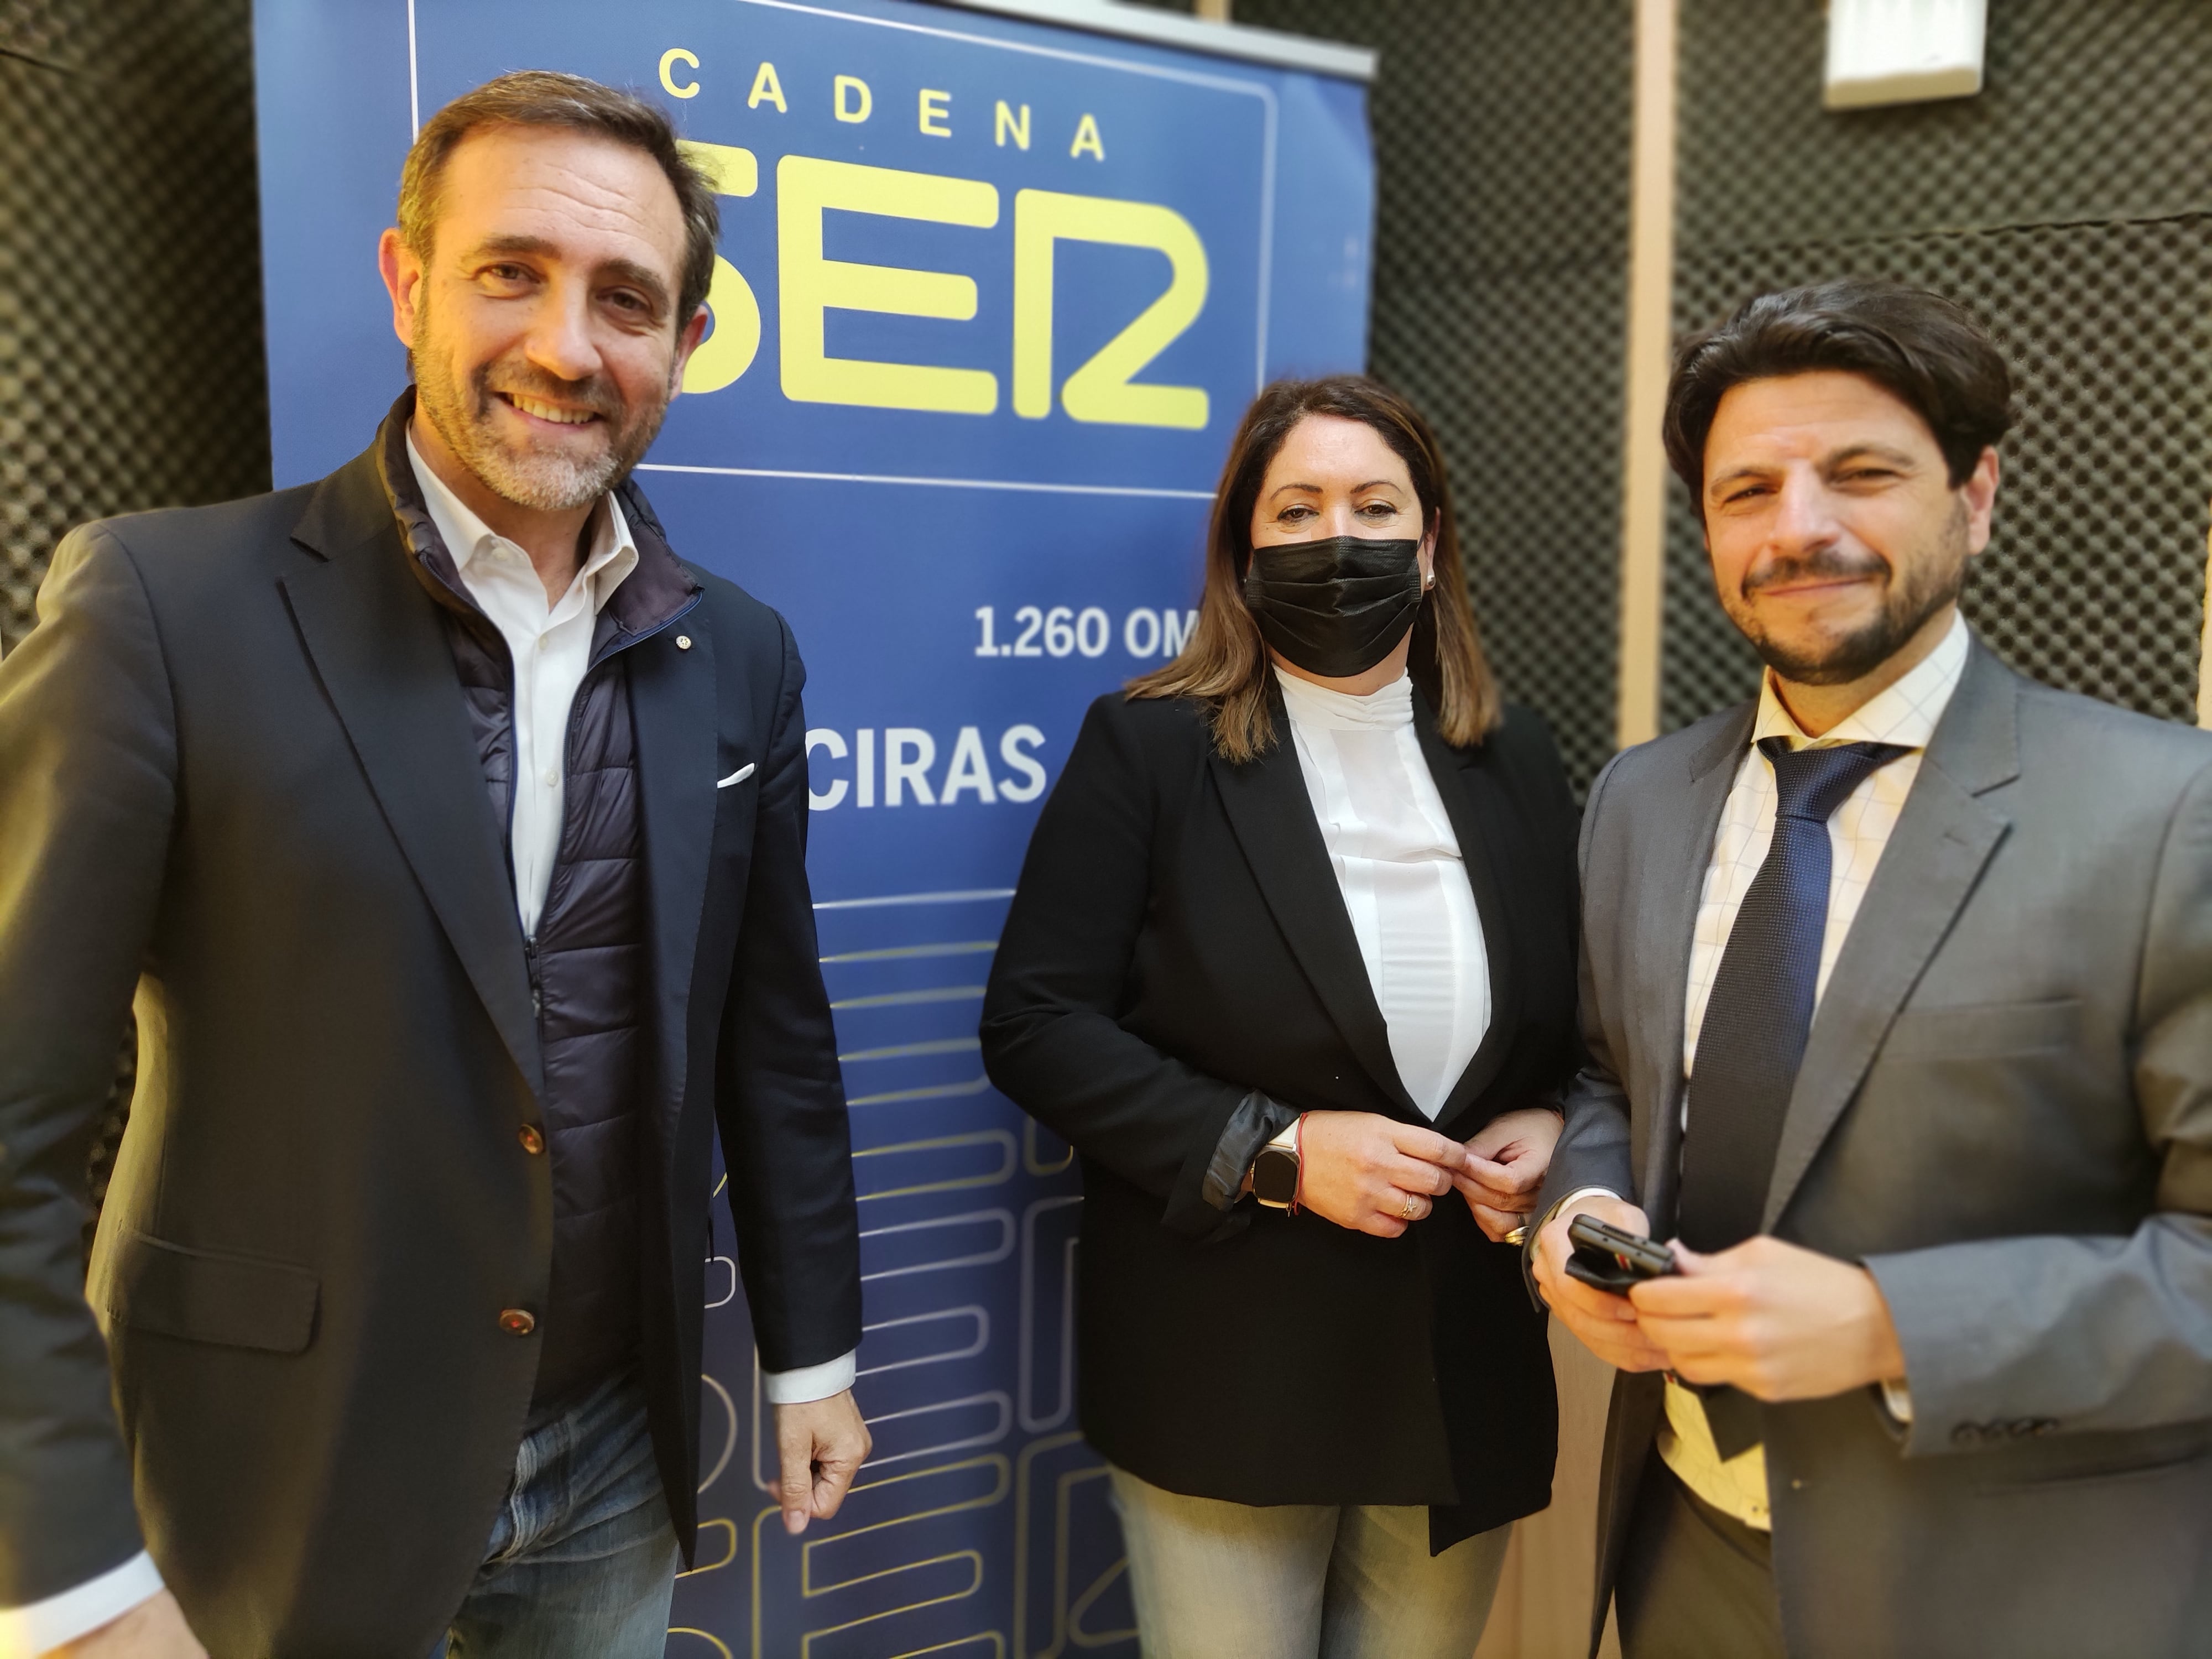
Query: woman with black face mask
x,y
1292,966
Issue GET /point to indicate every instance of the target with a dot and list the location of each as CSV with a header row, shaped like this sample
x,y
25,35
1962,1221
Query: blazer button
x,y
517,1322
533,1142
682,641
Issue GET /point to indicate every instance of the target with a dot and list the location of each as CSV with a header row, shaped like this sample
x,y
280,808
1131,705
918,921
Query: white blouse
x,y
1398,866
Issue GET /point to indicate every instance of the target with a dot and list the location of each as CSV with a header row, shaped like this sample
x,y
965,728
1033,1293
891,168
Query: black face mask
x,y
1335,608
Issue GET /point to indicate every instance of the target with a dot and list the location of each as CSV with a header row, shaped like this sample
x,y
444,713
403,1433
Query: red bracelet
x,y
1298,1146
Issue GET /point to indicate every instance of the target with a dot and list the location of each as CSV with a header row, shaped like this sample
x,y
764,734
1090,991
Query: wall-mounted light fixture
x,y
1903,51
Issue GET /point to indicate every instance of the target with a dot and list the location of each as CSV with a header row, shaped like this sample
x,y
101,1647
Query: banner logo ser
x,y
1103,389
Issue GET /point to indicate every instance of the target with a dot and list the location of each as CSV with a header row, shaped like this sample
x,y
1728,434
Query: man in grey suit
x,y
1898,995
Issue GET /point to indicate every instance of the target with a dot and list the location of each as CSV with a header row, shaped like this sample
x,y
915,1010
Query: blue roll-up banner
x,y
993,296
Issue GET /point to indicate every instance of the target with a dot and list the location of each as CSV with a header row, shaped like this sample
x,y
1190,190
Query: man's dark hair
x,y
542,98
1923,349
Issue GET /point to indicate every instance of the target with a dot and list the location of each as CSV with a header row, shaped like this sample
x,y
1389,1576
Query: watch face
x,y
1275,1176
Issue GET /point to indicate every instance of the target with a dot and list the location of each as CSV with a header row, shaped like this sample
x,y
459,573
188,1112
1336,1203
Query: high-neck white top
x,y
1398,866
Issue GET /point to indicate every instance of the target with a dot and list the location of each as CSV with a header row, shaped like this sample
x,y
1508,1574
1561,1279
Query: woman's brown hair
x,y
1225,662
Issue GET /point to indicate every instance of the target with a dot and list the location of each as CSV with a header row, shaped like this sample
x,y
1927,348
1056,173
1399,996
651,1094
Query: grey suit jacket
x,y
2004,1111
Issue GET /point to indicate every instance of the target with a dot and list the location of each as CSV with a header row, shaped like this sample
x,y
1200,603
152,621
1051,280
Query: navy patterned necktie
x,y
1761,1006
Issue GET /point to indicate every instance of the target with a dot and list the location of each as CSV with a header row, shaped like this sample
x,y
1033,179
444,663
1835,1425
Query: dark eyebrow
x,y
1312,488
1868,451
623,270
1732,474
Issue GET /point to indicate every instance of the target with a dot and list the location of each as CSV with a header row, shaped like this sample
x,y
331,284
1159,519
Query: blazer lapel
x,y
1472,803
1273,820
672,702
380,651
1671,879
1943,838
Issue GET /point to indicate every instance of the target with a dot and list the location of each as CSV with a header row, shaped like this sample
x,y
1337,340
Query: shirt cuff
x,y
62,1618
832,1376
1896,1398
1552,1214
1256,1121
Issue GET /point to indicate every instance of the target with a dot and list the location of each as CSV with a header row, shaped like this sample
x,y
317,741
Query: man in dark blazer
x,y
1897,994
449,833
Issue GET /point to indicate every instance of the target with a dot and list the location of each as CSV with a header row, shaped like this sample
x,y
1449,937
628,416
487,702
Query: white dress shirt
x,y
551,646
1397,863
1858,835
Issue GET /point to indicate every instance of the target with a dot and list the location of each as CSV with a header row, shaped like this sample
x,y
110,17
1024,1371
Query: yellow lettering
x,y
767,90
1086,138
1102,391
1005,126
936,107
731,170
806,189
669,60
850,98
733,341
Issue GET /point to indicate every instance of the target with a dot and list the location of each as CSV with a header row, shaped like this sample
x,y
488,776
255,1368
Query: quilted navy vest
x,y
587,962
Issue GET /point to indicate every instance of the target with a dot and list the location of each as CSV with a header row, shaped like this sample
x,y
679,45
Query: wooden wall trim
x,y
2205,649
1651,340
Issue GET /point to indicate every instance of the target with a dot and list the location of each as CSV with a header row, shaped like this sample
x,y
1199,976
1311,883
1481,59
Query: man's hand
x,y
154,1629
823,1443
1506,1166
1371,1173
1604,1323
1778,1320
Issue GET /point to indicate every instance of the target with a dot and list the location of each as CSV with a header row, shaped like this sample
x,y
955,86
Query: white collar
x,y
1905,713
1387,706
613,553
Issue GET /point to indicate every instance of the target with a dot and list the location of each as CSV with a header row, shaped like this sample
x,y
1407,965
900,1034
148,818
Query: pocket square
x,y
738,776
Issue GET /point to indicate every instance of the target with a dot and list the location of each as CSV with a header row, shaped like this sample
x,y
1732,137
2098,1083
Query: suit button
x,y
682,641
533,1142
517,1322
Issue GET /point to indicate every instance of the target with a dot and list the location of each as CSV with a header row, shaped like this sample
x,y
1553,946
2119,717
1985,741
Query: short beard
x,y
546,481
1929,584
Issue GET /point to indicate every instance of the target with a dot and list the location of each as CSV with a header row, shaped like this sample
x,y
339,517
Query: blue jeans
x,y
1214,1580
582,1561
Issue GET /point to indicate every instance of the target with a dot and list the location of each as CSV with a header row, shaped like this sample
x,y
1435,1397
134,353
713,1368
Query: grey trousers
x,y
1214,1580
1694,1584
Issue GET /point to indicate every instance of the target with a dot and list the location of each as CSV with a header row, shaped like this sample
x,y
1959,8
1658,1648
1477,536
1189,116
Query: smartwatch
x,y
1275,1171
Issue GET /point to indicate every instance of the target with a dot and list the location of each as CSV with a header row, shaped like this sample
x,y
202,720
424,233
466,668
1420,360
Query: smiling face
x,y
1334,476
1836,536
540,323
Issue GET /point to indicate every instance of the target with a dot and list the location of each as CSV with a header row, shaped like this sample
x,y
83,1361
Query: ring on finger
x,y
1411,1209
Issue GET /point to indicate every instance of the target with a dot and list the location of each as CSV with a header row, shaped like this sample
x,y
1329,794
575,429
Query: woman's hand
x,y
1374,1174
1505,1167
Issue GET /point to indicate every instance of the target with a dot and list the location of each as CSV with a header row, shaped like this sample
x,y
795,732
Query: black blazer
x,y
237,778
1179,939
